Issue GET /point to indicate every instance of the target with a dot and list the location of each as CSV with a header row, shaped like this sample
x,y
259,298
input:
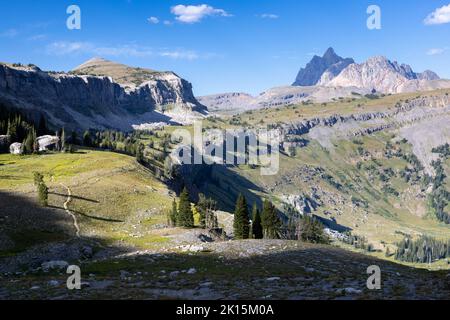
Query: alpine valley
x,y
87,177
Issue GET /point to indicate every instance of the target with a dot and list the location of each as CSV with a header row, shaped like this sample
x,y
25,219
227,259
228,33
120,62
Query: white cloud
x,y
72,48
153,20
10,33
439,16
193,14
167,23
63,48
435,51
180,54
269,16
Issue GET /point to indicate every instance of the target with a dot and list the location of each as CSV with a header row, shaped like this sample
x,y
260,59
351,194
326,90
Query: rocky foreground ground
x,y
251,269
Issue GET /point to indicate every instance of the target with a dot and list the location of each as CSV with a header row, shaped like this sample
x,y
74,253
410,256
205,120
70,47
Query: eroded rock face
x,y
386,76
87,101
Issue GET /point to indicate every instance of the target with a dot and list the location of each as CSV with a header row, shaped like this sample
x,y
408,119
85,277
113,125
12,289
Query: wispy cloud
x,y
435,51
269,16
38,37
439,16
63,48
153,20
194,14
10,33
179,54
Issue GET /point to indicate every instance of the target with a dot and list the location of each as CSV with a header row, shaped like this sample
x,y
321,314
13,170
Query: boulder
x,y
45,142
15,148
54,265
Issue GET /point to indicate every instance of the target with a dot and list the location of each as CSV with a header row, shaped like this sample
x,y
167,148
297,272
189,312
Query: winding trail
x,y
70,213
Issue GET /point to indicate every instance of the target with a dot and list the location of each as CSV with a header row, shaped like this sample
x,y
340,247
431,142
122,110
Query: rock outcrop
x,y
79,100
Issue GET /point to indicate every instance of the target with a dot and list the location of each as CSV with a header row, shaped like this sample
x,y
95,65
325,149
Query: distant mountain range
x,y
377,73
99,94
330,77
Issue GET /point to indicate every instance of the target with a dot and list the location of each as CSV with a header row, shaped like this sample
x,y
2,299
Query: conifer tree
x,y
311,230
257,231
241,223
185,216
87,141
42,128
74,138
140,153
30,145
270,221
42,189
63,140
174,213
206,208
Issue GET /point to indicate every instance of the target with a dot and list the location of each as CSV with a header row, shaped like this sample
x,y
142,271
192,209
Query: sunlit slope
x,y
113,197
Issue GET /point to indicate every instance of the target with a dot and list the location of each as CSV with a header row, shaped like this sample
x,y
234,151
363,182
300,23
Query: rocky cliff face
x,y
328,66
386,76
377,73
82,101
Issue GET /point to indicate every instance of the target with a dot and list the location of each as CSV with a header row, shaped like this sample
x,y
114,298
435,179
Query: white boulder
x,y
15,148
47,141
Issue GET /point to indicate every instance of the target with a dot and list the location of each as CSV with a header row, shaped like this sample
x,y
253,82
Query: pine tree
x,y
257,231
140,153
87,141
174,213
63,140
241,219
270,221
74,138
30,145
42,189
37,178
12,132
206,208
43,194
185,216
311,230
42,128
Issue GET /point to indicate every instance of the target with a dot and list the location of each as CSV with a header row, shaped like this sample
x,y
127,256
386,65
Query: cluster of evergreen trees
x,y
359,242
182,214
19,128
264,224
440,197
422,250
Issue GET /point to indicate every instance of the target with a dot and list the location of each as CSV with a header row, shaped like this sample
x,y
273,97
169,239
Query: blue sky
x,y
228,45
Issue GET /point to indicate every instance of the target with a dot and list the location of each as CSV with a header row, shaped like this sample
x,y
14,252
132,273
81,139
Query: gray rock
x,y
192,271
273,279
54,265
53,283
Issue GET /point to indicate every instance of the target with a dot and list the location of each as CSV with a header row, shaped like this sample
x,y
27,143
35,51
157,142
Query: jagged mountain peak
x,y
383,75
330,54
330,64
